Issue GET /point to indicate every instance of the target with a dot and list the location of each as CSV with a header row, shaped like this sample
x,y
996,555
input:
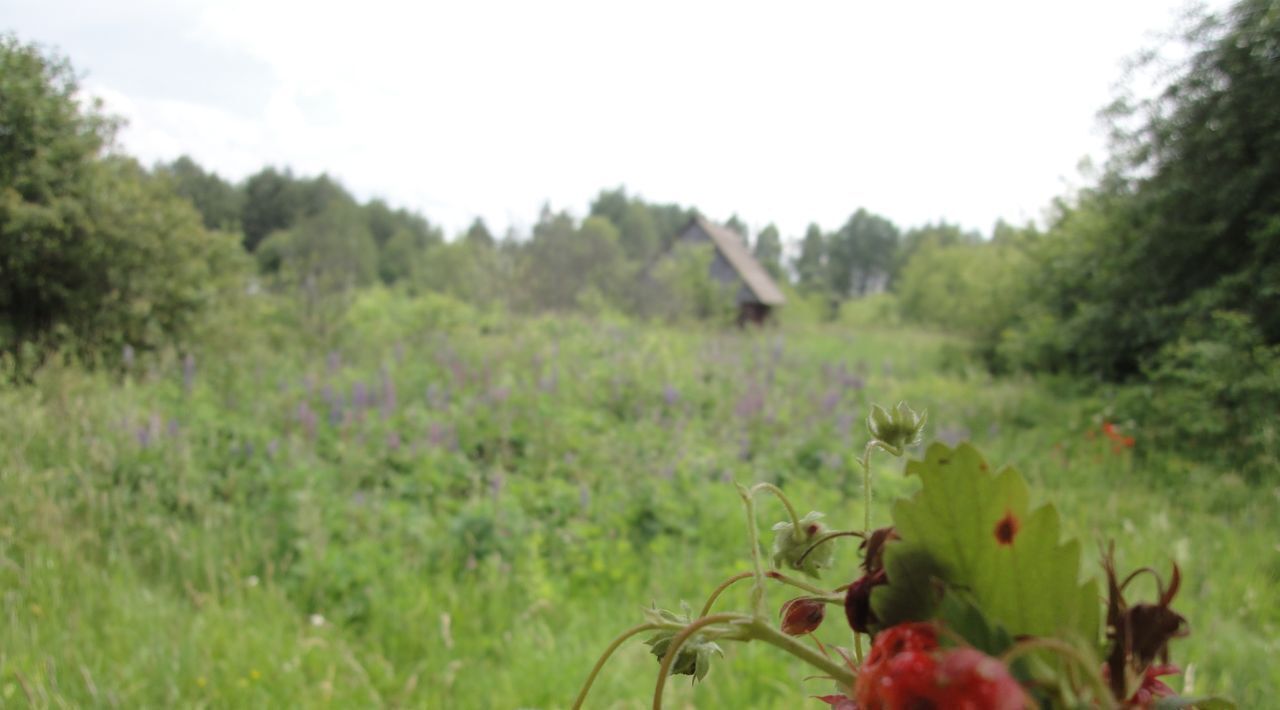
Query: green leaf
x,y
974,530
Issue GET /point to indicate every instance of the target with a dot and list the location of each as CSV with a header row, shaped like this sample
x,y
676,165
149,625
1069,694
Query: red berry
x,y
907,671
908,683
972,680
919,637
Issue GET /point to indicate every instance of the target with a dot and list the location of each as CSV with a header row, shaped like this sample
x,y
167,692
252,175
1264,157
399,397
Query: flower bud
x,y
694,656
794,549
897,429
802,615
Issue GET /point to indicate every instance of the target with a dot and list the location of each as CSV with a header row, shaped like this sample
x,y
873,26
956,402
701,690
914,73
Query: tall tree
x,y
811,263
478,234
739,227
1185,222
218,201
768,250
94,252
861,254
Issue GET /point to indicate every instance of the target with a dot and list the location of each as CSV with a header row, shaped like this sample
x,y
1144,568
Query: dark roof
x,y
732,246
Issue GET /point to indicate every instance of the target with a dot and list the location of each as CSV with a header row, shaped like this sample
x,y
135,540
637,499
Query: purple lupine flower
x,y
844,425
334,361
830,401
437,435
388,394
499,395
393,441
247,450
496,483
143,435
272,447
751,403
359,396
744,448
307,418
188,372
174,428
670,395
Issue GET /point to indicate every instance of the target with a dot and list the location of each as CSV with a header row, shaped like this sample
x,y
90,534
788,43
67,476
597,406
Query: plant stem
x,y
1069,652
840,673
786,502
866,486
756,629
780,577
828,536
866,477
715,594
604,657
757,567
677,641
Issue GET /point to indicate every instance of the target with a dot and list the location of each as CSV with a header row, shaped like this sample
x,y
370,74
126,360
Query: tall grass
x,y
439,511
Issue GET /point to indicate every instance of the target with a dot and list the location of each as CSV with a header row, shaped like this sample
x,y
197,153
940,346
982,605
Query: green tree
x,y
478,234
740,228
94,252
1184,223
942,234
768,250
564,264
811,263
218,201
320,262
861,254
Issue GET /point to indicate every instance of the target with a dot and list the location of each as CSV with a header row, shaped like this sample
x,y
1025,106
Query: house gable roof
x,y
730,244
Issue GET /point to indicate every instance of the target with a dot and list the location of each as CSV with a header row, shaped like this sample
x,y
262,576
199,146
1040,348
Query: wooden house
x,y
757,295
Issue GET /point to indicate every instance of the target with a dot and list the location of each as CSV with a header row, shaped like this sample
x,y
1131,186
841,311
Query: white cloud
x,y
789,114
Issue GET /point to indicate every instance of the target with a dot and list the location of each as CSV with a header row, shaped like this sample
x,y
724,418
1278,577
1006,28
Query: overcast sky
x,y
785,112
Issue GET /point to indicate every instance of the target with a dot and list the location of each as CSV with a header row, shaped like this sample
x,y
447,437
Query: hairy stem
x,y
715,594
664,670
798,584
757,566
866,477
786,502
828,536
866,487
840,673
604,657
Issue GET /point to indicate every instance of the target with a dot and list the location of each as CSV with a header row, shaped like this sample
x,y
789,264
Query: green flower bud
x,y
897,429
694,656
790,546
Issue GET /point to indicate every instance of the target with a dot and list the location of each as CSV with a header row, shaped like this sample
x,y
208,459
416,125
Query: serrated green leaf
x,y
1018,573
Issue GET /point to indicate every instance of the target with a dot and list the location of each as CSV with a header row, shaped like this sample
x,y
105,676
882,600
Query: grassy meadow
x,y
448,510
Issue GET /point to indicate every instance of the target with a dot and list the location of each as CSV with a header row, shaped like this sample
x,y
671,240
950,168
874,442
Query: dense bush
x,y
95,254
1214,389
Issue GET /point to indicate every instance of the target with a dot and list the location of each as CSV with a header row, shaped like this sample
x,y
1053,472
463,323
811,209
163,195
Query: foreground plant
x,y
970,600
